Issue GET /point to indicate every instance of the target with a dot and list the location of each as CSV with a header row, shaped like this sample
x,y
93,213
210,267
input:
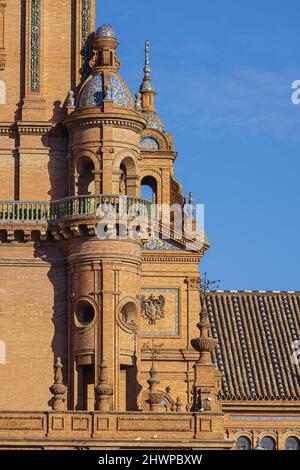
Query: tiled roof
x,y
255,333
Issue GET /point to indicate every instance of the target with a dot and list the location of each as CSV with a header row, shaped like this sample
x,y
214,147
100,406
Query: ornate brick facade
x,y
99,342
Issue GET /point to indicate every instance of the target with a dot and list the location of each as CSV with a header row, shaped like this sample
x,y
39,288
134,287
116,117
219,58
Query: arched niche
x,y
128,315
86,176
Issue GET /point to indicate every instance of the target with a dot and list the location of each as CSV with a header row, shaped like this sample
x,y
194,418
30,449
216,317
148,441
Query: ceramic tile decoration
x,y
35,46
85,43
149,143
154,121
119,92
105,30
93,92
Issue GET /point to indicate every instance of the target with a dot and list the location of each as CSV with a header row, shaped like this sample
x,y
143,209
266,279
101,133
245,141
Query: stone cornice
x,y
32,128
94,122
116,117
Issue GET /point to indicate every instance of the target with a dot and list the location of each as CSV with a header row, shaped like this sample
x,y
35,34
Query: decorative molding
x,y
35,46
193,283
126,123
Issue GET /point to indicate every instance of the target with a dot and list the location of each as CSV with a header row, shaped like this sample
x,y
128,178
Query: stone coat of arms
x,y
153,308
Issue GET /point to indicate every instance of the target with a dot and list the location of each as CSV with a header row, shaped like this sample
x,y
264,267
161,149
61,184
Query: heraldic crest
x,y
153,308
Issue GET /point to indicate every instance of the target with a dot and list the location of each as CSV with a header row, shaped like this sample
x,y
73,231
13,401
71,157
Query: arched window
x,y
243,443
86,176
2,92
2,353
149,189
127,177
268,443
292,443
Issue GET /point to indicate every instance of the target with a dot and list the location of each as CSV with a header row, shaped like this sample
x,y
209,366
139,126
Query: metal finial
x,y
153,350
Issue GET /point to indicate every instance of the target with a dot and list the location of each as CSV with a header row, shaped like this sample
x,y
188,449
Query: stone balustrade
x,y
22,212
92,429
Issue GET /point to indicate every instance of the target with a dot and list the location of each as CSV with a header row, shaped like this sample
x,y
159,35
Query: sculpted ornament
x,y
153,308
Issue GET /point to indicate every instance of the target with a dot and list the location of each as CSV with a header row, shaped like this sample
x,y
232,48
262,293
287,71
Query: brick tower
x,y
95,281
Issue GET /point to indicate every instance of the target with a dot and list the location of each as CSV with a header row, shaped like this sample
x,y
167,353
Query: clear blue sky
x,y
223,72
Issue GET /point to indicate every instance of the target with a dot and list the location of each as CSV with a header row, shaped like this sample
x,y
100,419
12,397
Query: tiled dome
x,y
105,30
92,93
154,121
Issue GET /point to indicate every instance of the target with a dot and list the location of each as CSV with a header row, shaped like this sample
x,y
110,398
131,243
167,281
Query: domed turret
x,y
105,82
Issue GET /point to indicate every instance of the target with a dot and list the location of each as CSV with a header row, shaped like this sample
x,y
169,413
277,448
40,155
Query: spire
x,y
147,89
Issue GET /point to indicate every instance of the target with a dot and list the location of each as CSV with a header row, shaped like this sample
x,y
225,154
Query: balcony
x,y
75,207
75,215
69,216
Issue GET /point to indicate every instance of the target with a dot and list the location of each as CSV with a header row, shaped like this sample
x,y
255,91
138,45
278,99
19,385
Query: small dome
x,y
154,121
105,30
92,93
147,86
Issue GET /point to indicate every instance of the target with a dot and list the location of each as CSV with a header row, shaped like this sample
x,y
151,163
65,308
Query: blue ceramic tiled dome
x,y
105,30
154,121
92,93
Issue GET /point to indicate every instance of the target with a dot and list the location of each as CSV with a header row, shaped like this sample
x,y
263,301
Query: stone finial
x,y
206,379
138,101
178,405
104,390
155,397
58,389
70,99
204,344
191,198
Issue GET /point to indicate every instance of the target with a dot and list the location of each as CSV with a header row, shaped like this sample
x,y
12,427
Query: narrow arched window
x,y
86,176
149,189
127,177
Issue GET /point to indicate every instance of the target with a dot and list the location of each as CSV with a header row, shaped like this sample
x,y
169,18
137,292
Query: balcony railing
x,y
73,207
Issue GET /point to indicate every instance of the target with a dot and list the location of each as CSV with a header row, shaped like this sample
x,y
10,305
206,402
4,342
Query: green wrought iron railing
x,y
74,207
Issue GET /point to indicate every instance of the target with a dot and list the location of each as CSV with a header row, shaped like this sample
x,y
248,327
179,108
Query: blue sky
x,y
223,72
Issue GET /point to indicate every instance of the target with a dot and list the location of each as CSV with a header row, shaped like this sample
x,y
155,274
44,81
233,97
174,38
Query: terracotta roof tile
x,y
255,332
